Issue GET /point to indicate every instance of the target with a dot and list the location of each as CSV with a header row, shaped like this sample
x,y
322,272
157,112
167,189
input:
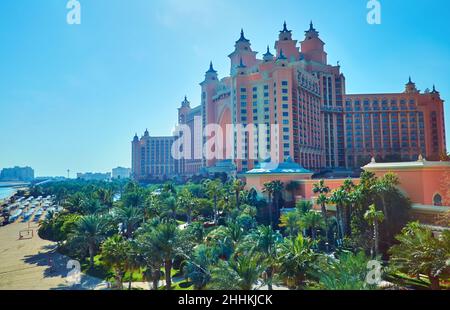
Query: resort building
x,y
121,173
294,104
425,183
320,125
17,174
192,118
152,158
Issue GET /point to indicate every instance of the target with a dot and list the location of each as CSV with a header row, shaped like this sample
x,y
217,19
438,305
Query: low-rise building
x,y
121,173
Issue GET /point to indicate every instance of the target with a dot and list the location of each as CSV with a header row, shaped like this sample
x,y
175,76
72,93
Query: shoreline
x,y
15,190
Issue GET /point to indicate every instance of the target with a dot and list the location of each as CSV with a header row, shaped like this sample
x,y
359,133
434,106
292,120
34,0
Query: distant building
x,y
17,174
191,117
152,158
121,173
89,176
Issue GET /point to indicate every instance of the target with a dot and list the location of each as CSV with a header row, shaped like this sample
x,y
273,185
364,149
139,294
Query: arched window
x,y
437,200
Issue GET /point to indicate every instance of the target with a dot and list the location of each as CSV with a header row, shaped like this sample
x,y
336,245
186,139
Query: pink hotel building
x,y
321,126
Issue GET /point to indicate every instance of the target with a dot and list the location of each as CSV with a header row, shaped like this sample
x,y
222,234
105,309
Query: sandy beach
x,y
34,264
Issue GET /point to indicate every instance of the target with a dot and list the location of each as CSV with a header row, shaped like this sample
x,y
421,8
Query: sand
x,y
34,264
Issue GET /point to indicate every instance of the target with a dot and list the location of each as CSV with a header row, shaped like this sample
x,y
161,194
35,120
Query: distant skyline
x,y
73,96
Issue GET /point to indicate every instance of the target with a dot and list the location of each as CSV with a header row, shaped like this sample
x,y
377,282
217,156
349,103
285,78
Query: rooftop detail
x,y
287,167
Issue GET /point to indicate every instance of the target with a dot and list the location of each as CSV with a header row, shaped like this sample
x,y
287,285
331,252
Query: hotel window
x,y
284,83
243,90
285,98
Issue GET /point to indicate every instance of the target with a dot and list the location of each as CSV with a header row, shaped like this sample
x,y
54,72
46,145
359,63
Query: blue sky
x,y
72,96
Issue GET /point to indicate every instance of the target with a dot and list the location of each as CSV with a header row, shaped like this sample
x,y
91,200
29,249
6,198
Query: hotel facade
x,y
318,124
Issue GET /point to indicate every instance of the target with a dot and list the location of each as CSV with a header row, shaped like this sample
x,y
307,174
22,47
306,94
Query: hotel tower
x,y
318,124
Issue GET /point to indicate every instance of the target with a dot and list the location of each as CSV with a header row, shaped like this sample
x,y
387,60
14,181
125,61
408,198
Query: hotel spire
x,y
268,55
242,49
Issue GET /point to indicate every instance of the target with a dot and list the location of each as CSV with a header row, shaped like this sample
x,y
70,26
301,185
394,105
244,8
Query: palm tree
x,y
274,190
374,218
291,222
130,218
420,252
238,273
291,187
198,266
264,241
312,221
295,257
169,188
347,272
168,242
133,260
115,255
238,186
383,186
186,203
340,197
133,196
213,189
321,189
171,207
303,206
89,231
150,254
105,196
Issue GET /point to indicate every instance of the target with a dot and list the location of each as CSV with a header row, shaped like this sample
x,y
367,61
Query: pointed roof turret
x,y
146,134
285,28
434,91
136,138
268,55
211,68
311,32
410,87
242,38
185,103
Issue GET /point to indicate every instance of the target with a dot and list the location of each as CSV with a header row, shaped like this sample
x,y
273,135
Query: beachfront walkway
x,y
25,264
